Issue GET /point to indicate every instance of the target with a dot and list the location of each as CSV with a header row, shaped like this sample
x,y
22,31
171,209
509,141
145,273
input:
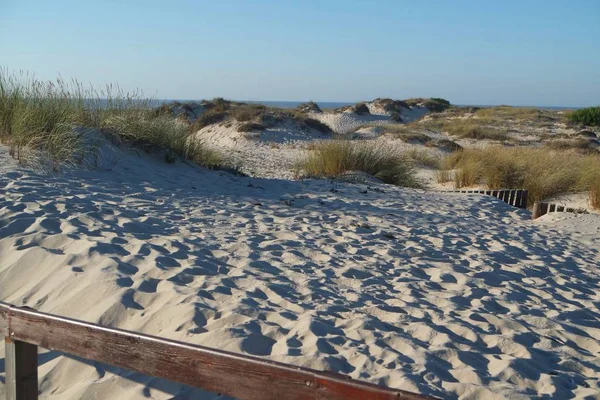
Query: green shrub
x,y
586,116
333,158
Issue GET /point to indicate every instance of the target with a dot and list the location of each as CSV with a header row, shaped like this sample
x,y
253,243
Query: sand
x,y
454,295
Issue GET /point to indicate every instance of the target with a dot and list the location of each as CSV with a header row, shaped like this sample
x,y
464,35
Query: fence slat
x,y
537,210
519,199
21,370
239,376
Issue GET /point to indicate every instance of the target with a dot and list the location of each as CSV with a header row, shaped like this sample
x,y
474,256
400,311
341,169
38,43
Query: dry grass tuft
x,y
472,128
333,158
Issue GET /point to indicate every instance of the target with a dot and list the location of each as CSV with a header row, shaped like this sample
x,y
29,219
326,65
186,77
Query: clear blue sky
x,y
543,52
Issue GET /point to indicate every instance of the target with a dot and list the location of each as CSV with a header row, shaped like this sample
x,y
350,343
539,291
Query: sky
x,y
527,52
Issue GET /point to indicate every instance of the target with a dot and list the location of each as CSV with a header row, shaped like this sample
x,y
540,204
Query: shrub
x,y
316,125
586,116
248,112
209,117
334,157
543,172
311,106
251,127
360,109
434,104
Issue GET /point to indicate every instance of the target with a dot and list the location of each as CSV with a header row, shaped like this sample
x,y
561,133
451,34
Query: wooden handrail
x,y
239,376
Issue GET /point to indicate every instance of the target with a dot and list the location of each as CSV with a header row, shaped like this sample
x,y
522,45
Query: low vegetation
x,y
433,104
333,158
254,117
543,172
51,121
586,116
473,129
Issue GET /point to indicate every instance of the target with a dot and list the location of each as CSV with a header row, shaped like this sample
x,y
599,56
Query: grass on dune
x,y
334,157
48,121
543,172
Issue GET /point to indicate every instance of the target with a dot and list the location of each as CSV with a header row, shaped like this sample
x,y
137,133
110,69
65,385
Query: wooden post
x,y
519,198
21,370
537,210
511,199
524,198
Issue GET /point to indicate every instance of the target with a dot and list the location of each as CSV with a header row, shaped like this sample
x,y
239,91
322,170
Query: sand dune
x,y
459,296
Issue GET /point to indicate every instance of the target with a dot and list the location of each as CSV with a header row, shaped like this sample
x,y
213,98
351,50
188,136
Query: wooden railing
x,y
514,197
235,375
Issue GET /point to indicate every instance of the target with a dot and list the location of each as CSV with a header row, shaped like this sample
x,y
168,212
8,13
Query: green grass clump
x,y
334,157
543,172
49,121
586,116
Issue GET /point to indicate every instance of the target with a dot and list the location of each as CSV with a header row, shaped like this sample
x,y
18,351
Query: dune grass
x,y
543,172
334,157
48,121
473,129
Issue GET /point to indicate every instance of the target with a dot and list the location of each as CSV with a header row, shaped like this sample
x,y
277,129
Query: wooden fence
x,y
541,208
514,197
235,375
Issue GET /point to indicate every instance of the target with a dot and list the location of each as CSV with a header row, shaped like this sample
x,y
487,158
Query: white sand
x,y
460,296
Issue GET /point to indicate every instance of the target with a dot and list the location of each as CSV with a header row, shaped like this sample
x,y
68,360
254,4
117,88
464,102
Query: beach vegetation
x,y
334,157
586,116
542,171
51,121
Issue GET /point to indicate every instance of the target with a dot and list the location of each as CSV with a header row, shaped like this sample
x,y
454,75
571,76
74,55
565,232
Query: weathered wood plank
x,y
218,371
511,198
524,198
21,370
537,210
3,320
518,198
